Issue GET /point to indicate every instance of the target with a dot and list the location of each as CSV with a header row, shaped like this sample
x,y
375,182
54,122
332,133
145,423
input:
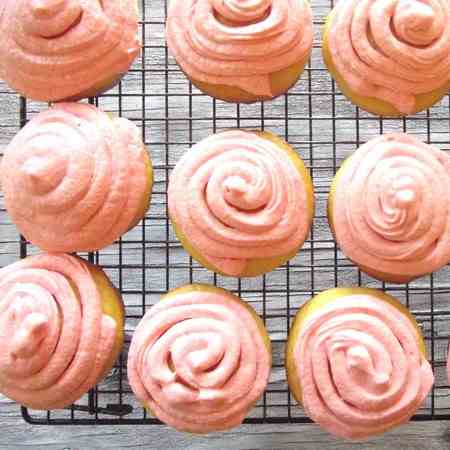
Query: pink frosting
x,y
448,366
74,179
239,42
54,339
360,367
392,50
391,208
56,49
237,197
198,361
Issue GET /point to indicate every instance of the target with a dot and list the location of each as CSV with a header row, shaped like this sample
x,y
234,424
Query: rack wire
x,y
148,261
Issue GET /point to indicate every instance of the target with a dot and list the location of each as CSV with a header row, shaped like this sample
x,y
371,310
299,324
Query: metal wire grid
x,y
148,261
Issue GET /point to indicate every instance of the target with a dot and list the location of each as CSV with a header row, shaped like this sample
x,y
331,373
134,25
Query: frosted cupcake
x,y
61,329
76,179
200,359
390,57
241,202
241,51
388,208
54,50
356,362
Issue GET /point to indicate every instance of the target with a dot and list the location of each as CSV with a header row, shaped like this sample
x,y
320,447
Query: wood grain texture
x,y
324,128
15,434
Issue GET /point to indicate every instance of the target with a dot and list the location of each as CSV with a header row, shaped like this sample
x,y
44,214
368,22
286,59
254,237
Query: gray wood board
x,y
182,120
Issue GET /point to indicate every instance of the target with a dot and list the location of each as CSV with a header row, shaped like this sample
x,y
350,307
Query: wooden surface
x,y
17,435
171,120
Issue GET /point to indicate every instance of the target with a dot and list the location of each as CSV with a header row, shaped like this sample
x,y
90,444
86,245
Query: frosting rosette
x,y
199,359
389,207
75,179
360,365
239,43
56,342
237,197
60,49
391,50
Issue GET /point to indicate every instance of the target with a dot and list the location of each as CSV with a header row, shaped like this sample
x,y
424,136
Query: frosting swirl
x,y
392,50
74,179
239,42
58,49
390,206
198,360
55,340
360,367
239,197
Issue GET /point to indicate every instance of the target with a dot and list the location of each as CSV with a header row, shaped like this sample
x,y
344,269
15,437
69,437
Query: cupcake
x,y
199,359
389,208
356,362
241,202
241,51
54,50
391,58
61,329
76,179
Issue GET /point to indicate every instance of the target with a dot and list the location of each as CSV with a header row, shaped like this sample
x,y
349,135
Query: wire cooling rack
x,y
148,261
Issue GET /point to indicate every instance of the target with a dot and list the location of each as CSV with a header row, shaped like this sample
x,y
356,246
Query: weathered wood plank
x,y
173,121
15,434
